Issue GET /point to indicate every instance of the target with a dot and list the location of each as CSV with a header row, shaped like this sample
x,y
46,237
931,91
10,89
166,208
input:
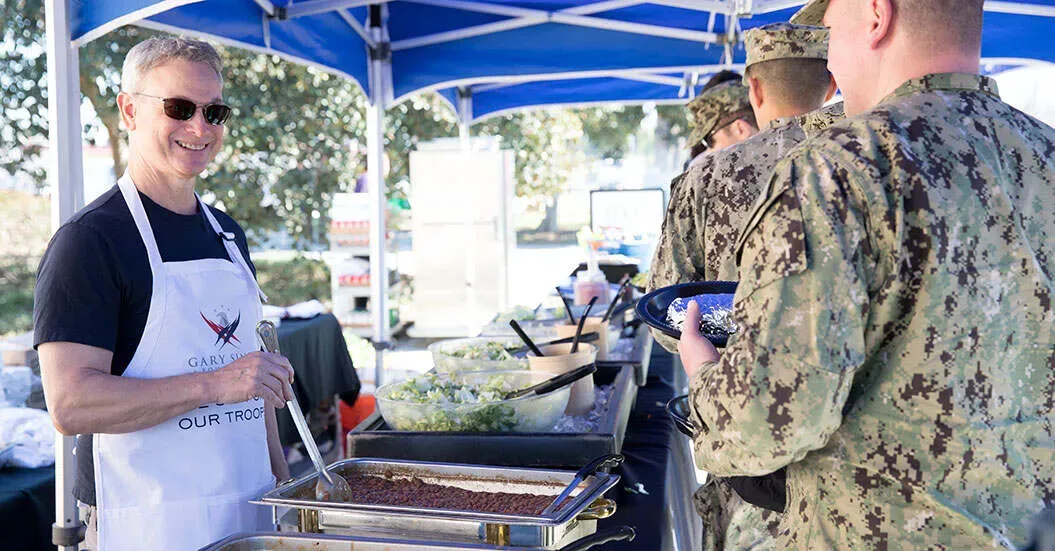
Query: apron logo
x,y
224,330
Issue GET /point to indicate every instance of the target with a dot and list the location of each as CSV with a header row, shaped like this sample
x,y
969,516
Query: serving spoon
x,y
328,487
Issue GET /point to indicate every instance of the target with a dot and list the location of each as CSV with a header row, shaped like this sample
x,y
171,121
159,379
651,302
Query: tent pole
x,y
65,175
375,143
465,116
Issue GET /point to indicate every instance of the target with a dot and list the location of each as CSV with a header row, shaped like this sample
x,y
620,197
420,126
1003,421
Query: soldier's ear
x,y
833,87
756,94
880,18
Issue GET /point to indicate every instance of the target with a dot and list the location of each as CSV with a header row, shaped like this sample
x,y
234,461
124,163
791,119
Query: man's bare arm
x,y
279,466
83,397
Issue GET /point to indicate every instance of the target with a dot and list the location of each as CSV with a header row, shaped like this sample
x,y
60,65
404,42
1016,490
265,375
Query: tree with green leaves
x,y
296,134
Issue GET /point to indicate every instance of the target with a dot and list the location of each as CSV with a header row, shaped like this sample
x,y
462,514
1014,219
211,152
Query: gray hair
x,y
158,50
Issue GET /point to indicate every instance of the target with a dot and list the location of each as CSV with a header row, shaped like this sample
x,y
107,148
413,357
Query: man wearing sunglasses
x,y
145,310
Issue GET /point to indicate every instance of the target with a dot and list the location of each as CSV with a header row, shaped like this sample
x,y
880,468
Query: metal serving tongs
x,y
328,487
604,462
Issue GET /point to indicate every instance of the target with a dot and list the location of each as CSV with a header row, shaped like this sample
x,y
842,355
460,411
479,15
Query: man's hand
x,y
255,375
694,348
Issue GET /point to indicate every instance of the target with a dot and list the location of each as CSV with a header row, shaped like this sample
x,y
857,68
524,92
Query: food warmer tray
x,y
573,521
284,541
373,438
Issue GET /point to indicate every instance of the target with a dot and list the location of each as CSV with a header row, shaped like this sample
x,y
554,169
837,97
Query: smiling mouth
x,y
192,147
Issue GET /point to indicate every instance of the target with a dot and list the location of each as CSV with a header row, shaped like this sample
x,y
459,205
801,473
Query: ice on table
x,y
708,303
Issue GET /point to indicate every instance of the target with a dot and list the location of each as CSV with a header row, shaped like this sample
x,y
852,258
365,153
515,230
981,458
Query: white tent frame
x,y
65,157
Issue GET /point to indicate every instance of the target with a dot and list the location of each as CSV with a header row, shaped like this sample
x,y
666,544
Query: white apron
x,y
185,483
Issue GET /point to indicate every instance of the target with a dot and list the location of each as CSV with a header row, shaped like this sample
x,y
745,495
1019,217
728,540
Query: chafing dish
x,y
274,541
573,521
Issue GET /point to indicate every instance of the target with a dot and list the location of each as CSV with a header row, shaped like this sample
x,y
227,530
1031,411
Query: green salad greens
x,y
640,280
486,351
449,394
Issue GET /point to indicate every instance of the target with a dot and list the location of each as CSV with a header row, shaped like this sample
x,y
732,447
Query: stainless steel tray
x,y
278,541
275,541
573,521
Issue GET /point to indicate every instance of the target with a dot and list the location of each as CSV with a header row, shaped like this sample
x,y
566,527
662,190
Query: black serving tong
x,y
523,336
582,321
588,337
567,307
554,383
604,462
619,293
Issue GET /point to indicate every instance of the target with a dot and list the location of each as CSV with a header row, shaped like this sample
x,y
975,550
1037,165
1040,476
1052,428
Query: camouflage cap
x,y
716,108
784,41
811,14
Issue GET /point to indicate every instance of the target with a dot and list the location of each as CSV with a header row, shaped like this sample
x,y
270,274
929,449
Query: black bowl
x,y
678,410
652,308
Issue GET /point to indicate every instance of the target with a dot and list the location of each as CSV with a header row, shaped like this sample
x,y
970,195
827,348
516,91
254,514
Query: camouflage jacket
x,y
815,122
708,205
897,348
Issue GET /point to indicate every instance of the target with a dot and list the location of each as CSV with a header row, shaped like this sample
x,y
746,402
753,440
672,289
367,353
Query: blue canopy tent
x,y
395,48
1015,35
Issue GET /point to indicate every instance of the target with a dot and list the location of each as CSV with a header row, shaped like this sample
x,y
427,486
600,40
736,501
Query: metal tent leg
x,y
65,175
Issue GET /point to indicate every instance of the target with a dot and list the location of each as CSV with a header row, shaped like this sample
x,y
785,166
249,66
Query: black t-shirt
x,y
94,284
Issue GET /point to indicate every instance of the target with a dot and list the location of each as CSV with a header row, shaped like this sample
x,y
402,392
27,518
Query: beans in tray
x,y
413,492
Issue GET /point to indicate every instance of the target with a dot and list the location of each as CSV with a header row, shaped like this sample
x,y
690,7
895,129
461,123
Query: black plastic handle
x,y
525,338
567,307
605,536
554,383
588,337
603,463
619,293
582,321
684,424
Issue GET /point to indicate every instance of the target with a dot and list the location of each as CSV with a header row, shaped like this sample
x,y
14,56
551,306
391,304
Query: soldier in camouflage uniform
x,y
705,214
721,116
788,78
896,350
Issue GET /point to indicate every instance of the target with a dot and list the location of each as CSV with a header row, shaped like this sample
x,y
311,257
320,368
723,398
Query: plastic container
x,y
531,413
592,325
557,360
589,285
445,360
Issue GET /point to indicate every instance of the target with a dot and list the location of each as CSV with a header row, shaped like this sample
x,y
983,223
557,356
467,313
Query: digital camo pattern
x,y
715,108
784,41
812,13
732,524
711,203
815,122
897,349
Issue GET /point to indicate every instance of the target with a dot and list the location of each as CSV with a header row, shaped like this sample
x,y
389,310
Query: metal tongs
x,y
604,462
329,487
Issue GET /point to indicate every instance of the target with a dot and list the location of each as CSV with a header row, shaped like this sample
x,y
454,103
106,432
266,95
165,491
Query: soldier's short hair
x,y
793,82
159,50
944,20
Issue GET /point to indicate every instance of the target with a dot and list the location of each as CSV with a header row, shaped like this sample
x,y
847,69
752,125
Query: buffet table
x,y
655,457
27,508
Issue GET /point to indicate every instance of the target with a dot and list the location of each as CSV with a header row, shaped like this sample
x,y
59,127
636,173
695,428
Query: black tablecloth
x,y
27,509
319,354
649,442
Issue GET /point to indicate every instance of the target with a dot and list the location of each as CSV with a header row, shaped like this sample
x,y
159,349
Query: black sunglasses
x,y
184,109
